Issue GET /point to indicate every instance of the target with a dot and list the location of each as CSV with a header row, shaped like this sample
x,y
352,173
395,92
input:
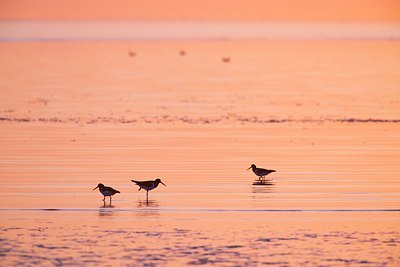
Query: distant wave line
x,y
201,210
192,120
13,31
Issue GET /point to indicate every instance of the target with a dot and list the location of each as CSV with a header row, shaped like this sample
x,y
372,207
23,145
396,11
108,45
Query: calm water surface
x,y
323,114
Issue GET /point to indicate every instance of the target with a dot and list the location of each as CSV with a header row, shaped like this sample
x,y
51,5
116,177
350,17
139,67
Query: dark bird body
x,y
106,191
148,185
261,173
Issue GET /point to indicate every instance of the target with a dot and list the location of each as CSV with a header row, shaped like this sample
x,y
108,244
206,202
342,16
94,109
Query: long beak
x,y
162,183
249,168
95,188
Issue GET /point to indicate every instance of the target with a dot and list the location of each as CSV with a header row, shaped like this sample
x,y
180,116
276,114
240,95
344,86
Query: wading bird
x,y
148,185
106,191
261,173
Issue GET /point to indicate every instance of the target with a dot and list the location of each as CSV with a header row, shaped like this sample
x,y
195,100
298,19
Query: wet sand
x,y
325,115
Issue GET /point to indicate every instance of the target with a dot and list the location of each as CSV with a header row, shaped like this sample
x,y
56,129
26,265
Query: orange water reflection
x,y
102,116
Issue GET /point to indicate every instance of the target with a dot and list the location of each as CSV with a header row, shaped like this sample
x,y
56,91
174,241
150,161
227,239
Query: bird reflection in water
x,y
106,211
107,205
148,208
262,186
147,203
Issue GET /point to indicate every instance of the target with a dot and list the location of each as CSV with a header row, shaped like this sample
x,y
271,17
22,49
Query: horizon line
x,y
196,30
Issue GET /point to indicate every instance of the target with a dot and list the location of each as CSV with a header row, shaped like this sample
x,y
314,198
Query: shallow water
x,y
324,115
150,236
338,205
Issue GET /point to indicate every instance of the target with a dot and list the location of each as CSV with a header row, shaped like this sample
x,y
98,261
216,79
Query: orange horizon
x,y
289,10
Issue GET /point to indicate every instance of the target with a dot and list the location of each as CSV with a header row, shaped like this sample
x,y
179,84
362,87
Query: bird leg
x,y
104,198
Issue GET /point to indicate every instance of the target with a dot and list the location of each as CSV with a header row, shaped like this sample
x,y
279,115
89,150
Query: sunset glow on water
x,y
195,103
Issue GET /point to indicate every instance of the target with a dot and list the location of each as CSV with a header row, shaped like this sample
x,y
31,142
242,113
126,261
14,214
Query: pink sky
x,y
281,10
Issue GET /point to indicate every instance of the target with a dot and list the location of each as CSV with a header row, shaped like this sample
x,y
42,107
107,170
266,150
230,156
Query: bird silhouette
x,y
106,191
148,185
261,173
